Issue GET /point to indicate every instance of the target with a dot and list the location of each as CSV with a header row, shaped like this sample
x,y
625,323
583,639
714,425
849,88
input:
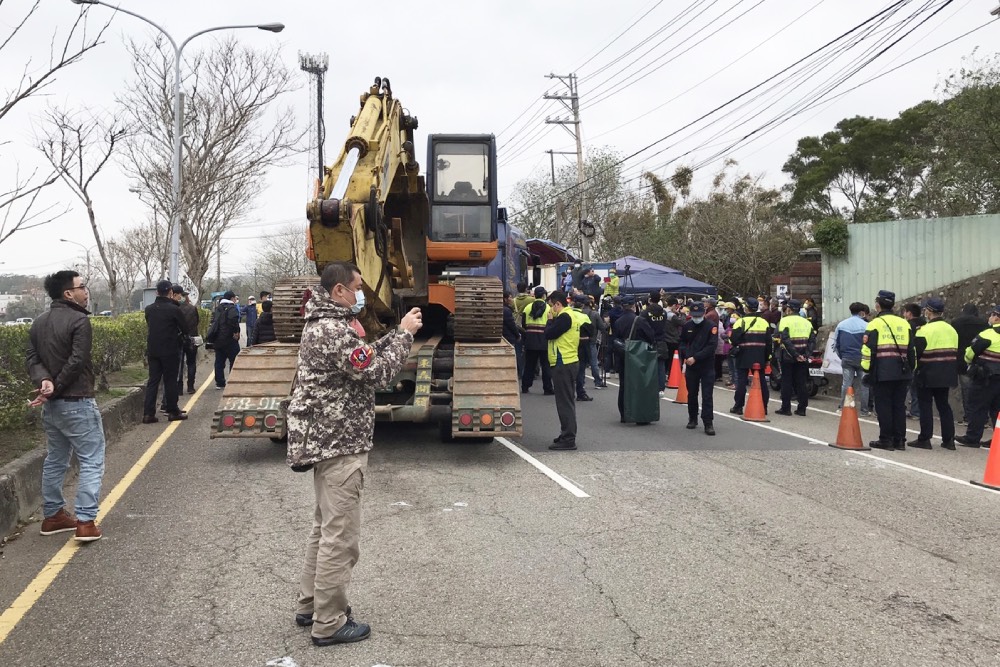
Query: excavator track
x,y
287,302
478,309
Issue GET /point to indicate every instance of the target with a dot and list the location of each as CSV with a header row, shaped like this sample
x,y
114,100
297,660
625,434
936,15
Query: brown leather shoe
x,y
60,522
87,531
149,419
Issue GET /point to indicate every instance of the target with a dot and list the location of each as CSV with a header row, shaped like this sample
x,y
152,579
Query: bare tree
x,y
281,254
119,270
234,131
78,145
19,208
149,245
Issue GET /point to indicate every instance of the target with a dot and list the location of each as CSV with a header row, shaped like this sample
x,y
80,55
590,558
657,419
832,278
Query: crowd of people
x,y
900,366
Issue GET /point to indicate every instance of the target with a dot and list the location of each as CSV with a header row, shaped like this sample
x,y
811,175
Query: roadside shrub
x,y
832,236
118,341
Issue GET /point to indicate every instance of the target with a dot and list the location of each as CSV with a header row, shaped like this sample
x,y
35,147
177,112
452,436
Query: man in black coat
x,y
263,331
227,342
189,353
165,326
623,329
699,338
968,325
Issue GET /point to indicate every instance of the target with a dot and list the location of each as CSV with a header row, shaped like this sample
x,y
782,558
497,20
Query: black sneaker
x,y
948,444
524,391
692,425
191,390
563,445
920,443
878,444
736,411
349,632
709,429
305,620
787,413
800,413
584,398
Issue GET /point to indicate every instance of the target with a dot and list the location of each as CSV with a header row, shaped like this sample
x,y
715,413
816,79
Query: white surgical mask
x,y
359,297
697,320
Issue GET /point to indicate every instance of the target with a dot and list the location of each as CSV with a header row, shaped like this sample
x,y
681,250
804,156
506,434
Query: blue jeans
x,y
595,367
73,427
852,378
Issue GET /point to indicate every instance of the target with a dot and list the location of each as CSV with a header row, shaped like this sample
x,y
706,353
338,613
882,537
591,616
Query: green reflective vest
x,y
937,355
885,350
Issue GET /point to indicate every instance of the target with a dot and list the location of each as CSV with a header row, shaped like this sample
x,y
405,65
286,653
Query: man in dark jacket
x,y
629,326
698,340
263,331
59,365
968,325
165,327
227,342
189,353
250,317
535,317
936,347
592,284
752,346
657,318
511,332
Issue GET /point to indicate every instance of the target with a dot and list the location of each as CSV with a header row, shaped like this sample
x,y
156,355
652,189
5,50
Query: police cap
x,y
794,304
697,308
581,298
887,295
996,310
752,303
934,304
628,300
540,292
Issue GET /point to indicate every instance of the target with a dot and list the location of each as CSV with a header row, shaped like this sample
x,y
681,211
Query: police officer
x,y
585,330
888,355
697,348
534,317
562,333
628,326
936,347
983,356
797,340
752,344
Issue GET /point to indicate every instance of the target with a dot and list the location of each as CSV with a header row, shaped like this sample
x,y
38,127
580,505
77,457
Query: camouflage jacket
x,y
331,411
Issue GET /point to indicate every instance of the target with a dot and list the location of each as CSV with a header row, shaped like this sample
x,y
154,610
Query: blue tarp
x,y
643,276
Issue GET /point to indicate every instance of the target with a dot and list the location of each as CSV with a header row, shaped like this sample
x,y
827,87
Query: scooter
x,y
817,378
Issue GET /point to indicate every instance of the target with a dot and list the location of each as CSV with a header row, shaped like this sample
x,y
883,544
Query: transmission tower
x,y
316,66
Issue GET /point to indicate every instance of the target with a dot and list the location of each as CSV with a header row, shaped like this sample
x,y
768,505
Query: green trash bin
x,y
641,386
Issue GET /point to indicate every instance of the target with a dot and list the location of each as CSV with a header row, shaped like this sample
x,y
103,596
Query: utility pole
x,y
572,104
218,266
316,66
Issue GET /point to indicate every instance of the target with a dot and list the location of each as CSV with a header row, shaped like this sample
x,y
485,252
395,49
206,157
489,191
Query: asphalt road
x,y
760,546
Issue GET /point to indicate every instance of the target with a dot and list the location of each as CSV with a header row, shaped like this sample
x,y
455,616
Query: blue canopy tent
x,y
638,275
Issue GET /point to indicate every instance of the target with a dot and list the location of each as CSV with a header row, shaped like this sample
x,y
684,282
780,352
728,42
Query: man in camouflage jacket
x,y
331,418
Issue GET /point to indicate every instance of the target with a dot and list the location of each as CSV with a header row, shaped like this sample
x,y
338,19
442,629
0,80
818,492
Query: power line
x,y
735,99
619,36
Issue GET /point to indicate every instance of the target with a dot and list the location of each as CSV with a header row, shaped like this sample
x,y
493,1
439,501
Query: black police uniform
x,y
621,330
165,324
698,342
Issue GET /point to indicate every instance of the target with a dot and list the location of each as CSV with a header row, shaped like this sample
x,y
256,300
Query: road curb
x,y
21,479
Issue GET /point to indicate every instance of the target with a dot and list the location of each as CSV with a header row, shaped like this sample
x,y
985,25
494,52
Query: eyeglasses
x,y
77,287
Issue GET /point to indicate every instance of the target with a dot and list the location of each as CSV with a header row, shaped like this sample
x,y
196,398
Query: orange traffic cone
x,y
991,478
674,379
849,432
754,410
682,390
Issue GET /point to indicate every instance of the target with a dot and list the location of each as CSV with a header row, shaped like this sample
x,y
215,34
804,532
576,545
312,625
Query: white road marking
x,y
544,469
281,662
461,504
814,441
402,503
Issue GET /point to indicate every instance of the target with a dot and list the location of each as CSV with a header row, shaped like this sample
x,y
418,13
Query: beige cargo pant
x,y
333,546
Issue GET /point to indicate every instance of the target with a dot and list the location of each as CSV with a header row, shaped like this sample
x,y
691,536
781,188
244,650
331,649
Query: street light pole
x,y
175,215
86,251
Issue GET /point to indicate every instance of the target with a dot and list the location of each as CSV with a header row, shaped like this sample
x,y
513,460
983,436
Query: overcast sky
x,y
477,66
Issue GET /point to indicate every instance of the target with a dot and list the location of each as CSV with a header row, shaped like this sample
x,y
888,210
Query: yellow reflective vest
x,y
611,289
937,355
985,348
887,349
566,348
797,337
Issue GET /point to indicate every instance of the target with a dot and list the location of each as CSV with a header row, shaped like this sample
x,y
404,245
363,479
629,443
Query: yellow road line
x,y
34,590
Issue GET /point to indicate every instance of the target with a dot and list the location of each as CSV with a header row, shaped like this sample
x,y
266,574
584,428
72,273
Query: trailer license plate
x,y
816,372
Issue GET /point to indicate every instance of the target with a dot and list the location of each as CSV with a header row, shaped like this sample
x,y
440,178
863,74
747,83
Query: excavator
x,y
415,238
